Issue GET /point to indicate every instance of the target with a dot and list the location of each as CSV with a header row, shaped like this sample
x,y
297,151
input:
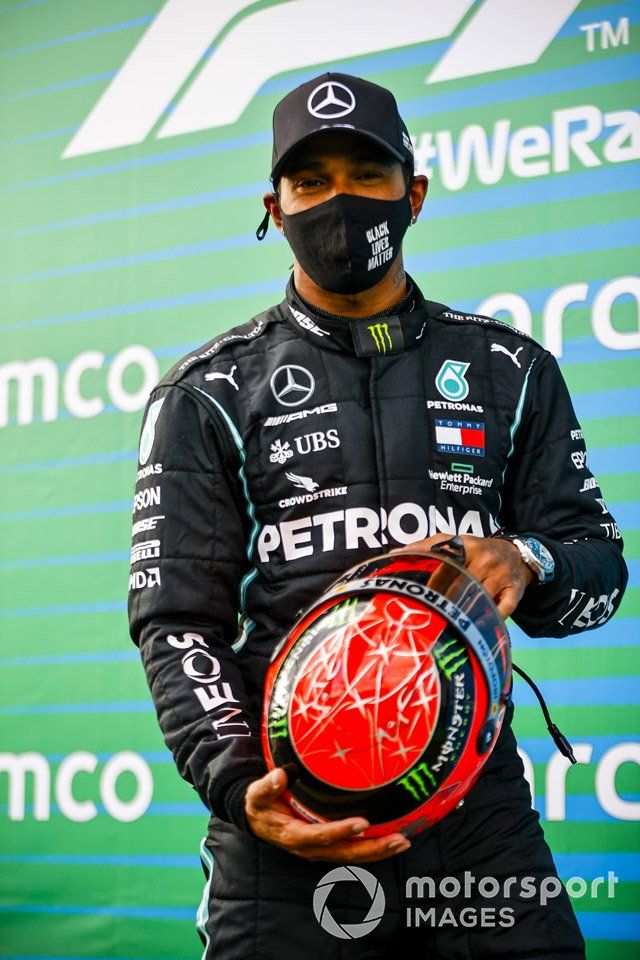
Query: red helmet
x,y
387,696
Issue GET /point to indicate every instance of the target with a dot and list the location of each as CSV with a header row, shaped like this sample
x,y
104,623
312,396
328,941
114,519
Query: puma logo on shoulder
x,y
498,348
224,376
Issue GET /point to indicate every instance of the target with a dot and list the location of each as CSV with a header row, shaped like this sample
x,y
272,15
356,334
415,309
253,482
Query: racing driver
x,y
354,417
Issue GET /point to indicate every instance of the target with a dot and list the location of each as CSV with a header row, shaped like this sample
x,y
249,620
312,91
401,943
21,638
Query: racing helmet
x,y
387,696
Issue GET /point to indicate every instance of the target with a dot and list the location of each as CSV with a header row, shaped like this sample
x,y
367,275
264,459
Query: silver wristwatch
x,y
535,555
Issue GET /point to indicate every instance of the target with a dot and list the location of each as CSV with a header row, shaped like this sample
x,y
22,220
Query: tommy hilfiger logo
x,y
460,436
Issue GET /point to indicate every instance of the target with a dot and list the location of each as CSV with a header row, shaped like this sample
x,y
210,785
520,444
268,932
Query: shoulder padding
x,y
244,332
447,315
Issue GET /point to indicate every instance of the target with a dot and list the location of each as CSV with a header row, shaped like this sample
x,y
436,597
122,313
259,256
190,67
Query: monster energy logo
x,y
381,336
450,657
278,727
419,782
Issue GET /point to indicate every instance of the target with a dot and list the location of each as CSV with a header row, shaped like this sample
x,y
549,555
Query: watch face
x,y
541,553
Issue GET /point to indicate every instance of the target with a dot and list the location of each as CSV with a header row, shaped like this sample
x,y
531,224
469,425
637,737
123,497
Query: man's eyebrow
x,y
359,158
302,164
373,158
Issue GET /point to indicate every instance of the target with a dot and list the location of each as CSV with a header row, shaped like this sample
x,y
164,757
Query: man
x,y
353,418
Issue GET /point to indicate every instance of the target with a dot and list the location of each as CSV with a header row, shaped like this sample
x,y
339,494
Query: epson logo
x,y
150,497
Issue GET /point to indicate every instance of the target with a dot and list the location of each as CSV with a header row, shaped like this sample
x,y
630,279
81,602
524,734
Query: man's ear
x,y
271,204
417,194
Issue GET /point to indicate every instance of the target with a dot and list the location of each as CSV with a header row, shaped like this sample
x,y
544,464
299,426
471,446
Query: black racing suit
x,y
287,450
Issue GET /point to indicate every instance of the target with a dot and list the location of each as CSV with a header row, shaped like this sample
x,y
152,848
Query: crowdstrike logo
x,y
348,874
305,483
218,87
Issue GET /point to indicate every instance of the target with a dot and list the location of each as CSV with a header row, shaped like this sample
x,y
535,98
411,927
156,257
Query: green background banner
x,y
134,146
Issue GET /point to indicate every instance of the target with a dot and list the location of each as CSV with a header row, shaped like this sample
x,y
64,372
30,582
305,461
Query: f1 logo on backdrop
x,y
177,43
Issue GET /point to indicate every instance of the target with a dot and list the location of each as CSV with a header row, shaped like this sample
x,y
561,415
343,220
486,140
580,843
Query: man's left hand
x,y
496,563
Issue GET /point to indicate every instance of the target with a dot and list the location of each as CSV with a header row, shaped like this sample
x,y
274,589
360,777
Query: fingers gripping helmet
x,y
387,696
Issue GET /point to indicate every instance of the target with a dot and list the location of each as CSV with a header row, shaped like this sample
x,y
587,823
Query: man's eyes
x,y
309,183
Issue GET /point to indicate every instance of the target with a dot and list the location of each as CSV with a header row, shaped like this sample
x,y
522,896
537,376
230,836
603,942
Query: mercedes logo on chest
x,y
331,100
292,385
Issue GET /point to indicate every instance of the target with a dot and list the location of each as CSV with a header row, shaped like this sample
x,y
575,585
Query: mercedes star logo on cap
x,y
331,100
292,385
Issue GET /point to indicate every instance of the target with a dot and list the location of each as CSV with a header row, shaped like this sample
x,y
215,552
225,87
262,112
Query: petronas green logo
x,y
149,431
381,336
450,380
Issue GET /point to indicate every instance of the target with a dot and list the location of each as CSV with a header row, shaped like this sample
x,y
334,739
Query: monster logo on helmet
x,y
388,694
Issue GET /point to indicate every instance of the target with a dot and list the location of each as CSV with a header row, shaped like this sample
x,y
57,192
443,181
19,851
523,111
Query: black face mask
x,y
347,244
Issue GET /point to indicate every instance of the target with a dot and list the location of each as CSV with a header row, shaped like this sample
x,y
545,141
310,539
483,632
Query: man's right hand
x,y
271,819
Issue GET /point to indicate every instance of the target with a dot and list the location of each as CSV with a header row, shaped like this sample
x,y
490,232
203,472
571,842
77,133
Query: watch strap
x,y
526,554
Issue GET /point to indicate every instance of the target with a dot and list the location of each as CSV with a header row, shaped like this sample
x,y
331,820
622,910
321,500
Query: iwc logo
x,y
348,874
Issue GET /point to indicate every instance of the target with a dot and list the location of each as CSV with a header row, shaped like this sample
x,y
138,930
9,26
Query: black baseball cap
x,y
337,101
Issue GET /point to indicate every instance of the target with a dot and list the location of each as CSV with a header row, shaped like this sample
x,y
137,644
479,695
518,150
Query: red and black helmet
x,y
387,696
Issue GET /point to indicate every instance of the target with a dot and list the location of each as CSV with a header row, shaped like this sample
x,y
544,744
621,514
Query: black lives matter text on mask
x,y
381,249
347,244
